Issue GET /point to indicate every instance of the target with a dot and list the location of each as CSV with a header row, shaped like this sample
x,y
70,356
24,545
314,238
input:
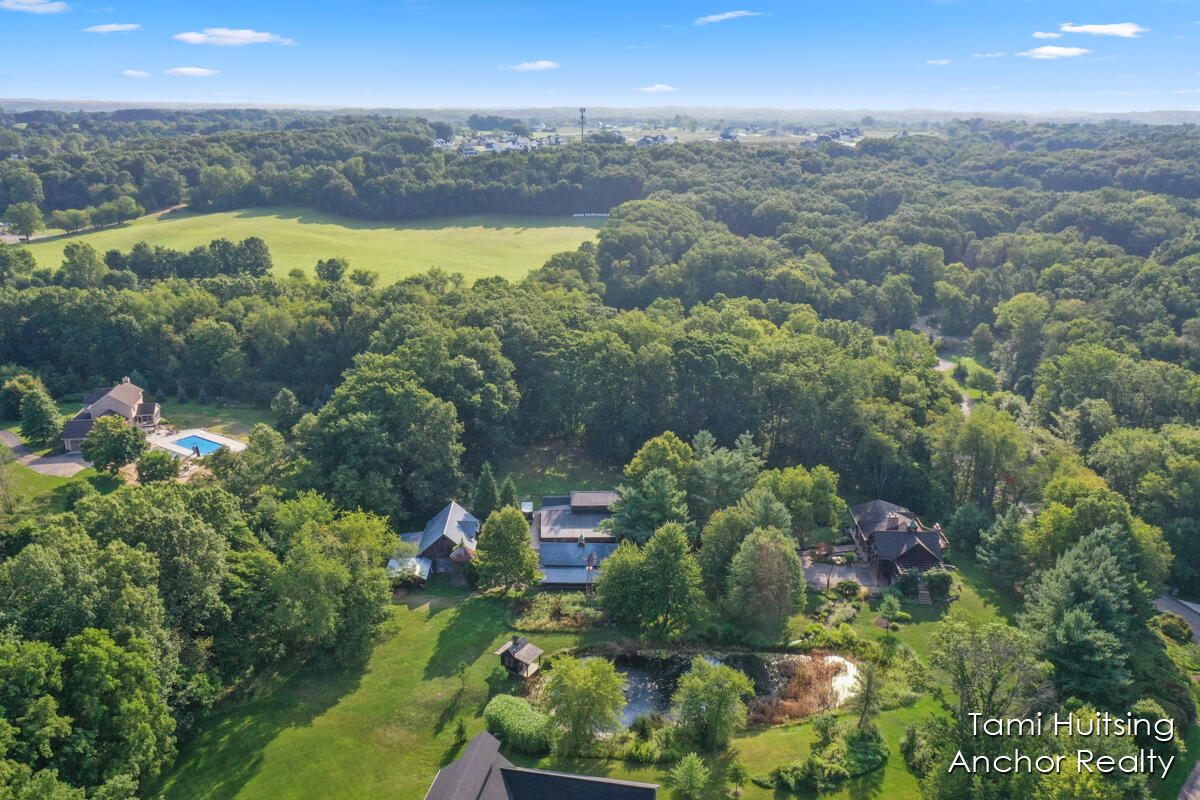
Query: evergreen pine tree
x,y
508,494
486,498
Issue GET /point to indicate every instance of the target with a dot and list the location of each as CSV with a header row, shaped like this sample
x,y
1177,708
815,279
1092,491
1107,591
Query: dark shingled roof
x,y
536,784
475,775
481,773
94,395
891,545
869,516
77,428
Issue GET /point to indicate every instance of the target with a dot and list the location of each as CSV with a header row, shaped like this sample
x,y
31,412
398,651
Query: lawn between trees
x,y
384,730
476,246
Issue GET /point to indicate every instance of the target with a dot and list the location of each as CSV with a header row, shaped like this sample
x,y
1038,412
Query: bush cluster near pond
x,y
477,246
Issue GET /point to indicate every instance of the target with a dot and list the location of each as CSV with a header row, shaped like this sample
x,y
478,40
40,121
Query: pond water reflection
x,y
652,680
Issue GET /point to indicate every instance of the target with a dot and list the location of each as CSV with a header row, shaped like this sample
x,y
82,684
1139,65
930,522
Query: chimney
x,y
125,379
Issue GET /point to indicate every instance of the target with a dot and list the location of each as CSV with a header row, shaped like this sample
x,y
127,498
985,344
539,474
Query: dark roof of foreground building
x,y
481,773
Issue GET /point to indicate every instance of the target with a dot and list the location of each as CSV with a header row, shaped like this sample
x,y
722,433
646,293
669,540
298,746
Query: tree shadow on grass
x,y
493,221
227,750
499,682
469,632
866,787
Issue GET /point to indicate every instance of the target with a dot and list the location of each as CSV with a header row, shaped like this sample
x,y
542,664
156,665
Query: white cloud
x,y
937,62
997,54
191,72
134,73
1052,51
113,27
34,6
533,66
711,18
1046,35
658,87
231,37
1126,30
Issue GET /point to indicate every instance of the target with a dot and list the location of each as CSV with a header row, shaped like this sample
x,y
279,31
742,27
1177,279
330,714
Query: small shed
x,y
520,657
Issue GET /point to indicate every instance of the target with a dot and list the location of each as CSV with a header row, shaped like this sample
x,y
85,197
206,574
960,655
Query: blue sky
x,y
965,55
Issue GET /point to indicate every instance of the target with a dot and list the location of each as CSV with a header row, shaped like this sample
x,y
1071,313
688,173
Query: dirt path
x,y
12,238
967,404
66,465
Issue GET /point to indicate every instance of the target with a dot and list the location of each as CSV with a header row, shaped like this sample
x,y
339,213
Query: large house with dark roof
x,y
569,541
125,400
481,773
893,541
447,540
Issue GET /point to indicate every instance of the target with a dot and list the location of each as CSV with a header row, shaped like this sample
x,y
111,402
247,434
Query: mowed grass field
x,y
384,729
476,246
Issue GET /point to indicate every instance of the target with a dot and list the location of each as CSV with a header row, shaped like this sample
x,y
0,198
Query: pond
x,y
652,680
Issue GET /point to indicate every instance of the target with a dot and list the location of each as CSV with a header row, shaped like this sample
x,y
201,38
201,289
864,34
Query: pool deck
x,y
166,441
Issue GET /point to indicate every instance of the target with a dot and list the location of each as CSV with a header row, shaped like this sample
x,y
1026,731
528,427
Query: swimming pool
x,y
194,443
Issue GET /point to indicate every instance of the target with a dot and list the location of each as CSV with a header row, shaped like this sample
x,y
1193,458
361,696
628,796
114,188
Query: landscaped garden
x,y
386,728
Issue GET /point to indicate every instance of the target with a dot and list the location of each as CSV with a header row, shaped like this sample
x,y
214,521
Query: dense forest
x,y
757,302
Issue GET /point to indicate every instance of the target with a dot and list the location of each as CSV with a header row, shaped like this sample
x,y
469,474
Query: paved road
x,y
1190,615
63,466
1191,789
823,576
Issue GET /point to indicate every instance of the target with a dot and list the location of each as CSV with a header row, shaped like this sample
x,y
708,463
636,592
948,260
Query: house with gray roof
x,y
481,773
448,539
893,541
125,400
569,541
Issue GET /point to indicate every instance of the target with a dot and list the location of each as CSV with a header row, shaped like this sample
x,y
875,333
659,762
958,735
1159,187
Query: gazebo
x,y
520,657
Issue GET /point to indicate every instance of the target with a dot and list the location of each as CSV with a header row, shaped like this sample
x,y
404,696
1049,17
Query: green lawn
x,y
555,468
231,420
971,365
384,730
381,731
476,246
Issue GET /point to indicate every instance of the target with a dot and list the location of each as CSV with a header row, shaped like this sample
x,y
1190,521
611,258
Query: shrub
x,y
813,774
907,584
646,724
842,612
690,776
890,609
513,721
939,582
846,589
75,491
865,750
1173,627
